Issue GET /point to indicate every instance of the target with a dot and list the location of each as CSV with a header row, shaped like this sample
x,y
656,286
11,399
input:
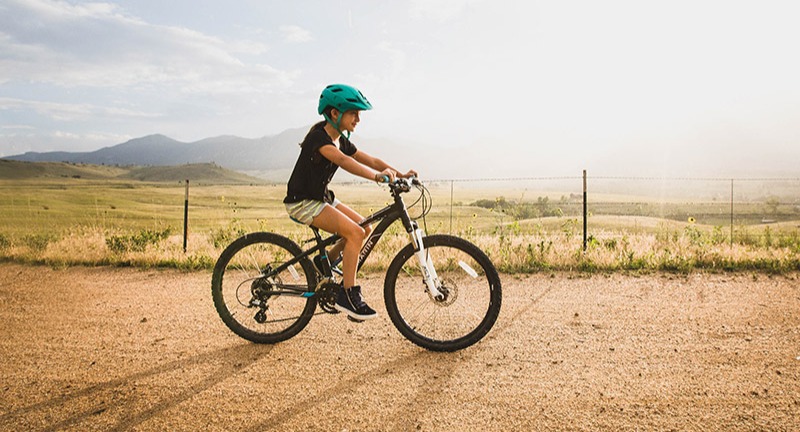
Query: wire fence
x,y
740,209
747,210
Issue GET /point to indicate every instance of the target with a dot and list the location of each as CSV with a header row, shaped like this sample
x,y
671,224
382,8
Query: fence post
x,y
731,212
186,216
584,211
451,206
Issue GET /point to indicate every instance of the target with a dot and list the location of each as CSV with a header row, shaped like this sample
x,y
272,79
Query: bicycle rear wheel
x,y
253,300
472,291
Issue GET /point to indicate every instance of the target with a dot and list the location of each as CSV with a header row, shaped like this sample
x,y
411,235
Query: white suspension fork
x,y
426,264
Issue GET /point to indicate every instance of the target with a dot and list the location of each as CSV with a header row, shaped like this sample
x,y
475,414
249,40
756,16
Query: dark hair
x,y
327,110
314,126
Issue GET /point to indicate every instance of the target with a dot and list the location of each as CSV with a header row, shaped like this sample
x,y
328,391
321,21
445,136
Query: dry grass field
x,y
98,348
523,225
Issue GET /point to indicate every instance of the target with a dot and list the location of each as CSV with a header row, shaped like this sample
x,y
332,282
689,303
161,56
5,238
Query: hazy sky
x,y
545,79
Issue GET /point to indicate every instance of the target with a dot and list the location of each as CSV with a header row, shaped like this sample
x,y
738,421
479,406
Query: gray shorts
x,y
305,211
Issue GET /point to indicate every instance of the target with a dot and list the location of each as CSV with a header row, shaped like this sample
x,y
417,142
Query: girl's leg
x,y
355,217
333,220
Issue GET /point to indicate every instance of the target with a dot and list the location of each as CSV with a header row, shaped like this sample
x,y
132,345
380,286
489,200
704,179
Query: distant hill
x,y
241,154
196,173
19,170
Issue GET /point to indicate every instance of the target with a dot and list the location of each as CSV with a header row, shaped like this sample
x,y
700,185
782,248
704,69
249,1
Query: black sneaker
x,y
350,302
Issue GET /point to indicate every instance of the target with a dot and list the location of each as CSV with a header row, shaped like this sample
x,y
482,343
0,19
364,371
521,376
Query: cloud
x,y
22,141
440,10
17,127
97,45
295,34
72,112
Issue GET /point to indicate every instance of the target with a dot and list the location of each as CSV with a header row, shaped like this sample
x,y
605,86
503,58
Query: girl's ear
x,y
335,114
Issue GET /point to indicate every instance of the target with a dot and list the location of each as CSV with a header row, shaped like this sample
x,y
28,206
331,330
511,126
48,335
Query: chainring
x,y
326,296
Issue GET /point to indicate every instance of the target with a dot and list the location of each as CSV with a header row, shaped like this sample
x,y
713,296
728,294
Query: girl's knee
x,y
362,234
355,234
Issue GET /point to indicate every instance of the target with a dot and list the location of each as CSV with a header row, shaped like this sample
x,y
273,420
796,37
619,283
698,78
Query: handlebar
x,y
402,184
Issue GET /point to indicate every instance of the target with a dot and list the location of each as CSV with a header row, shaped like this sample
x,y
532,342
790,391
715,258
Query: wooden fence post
x,y
584,211
186,216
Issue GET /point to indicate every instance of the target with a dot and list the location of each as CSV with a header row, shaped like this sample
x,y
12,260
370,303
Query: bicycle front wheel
x,y
470,284
254,300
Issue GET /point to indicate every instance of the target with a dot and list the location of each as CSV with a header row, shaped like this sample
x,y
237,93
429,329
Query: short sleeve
x,y
347,147
318,139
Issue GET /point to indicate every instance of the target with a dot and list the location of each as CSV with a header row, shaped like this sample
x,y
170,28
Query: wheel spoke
x,y
238,279
468,281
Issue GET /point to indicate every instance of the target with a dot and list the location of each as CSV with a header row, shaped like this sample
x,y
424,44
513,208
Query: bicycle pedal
x,y
355,320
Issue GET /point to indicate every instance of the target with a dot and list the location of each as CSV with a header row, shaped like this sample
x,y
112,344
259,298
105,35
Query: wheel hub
x,y
449,291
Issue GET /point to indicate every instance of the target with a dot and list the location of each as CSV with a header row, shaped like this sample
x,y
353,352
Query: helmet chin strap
x,y
337,124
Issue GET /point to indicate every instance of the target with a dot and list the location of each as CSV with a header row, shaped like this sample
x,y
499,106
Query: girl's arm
x,y
379,165
354,166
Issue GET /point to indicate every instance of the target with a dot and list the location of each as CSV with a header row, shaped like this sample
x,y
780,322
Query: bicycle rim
x,y
251,299
473,295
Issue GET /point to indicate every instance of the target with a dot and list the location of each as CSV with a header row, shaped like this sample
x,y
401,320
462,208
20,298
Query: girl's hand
x,y
410,173
387,173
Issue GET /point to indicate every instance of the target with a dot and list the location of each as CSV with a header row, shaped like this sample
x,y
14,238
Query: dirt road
x,y
124,349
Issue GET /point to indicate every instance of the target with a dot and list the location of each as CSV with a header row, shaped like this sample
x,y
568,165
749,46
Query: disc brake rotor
x,y
450,291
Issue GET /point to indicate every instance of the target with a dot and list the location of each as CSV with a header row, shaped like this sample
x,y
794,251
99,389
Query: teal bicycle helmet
x,y
344,98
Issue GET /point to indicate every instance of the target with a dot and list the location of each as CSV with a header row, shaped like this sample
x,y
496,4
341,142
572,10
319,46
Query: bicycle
x,y
440,291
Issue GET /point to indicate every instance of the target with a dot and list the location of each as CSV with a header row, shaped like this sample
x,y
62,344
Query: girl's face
x,y
349,120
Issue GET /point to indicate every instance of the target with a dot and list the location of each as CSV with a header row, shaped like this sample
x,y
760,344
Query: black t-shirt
x,y
312,171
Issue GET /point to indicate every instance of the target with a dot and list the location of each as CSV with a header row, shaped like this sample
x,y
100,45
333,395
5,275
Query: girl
x,y
325,148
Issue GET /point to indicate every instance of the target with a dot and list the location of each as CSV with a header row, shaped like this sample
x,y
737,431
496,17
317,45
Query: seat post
x,y
316,233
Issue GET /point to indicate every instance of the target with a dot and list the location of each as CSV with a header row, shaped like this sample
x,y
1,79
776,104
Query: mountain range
x,y
269,158
272,157
269,153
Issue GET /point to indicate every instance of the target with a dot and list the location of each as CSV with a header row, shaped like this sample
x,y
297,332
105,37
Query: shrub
x,y
38,242
5,242
521,210
136,242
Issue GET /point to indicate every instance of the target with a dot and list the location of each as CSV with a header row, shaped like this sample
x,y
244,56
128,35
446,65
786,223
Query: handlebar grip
x,y
383,179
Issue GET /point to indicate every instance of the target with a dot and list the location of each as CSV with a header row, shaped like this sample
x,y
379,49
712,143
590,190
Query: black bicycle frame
x,y
387,216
